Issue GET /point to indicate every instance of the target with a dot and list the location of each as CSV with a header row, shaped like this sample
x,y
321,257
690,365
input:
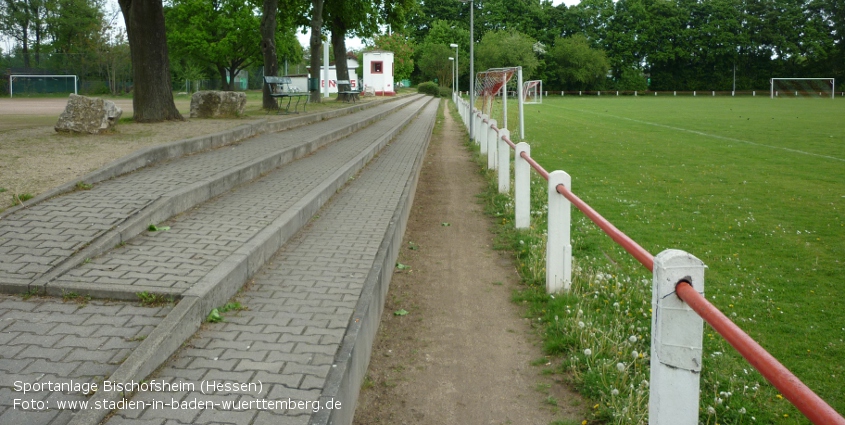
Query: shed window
x,y
377,67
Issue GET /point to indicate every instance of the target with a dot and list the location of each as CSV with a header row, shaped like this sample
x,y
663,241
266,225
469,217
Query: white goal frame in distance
x,y
832,84
533,92
12,79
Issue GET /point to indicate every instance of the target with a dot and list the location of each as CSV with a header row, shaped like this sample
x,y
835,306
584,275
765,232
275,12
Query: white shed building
x,y
378,72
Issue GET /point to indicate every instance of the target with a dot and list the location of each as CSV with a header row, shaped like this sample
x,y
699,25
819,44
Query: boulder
x,y
88,115
217,104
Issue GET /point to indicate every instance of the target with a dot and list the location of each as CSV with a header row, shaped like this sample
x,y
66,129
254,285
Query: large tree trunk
x,y
339,45
221,71
268,47
316,43
152,99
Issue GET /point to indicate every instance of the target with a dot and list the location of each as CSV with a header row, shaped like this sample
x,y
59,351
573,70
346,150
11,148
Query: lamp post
x,y
453,74
455,46
471,64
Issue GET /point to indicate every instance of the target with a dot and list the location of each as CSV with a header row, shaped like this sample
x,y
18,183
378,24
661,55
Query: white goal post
x,y
802,85
532,90
17,76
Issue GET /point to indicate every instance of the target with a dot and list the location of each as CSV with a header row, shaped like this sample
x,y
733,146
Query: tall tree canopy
x,y
224,34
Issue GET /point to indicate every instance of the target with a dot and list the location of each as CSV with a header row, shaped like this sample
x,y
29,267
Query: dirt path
x,y
463,353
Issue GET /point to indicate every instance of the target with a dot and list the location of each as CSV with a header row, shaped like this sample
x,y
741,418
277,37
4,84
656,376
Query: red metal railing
x,y
810,404
804,399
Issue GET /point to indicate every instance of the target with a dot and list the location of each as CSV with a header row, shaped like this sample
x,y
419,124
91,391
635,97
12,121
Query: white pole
x,y
558,247
504,161
482,131
492,146
504,106
326,69
521,110
75,84
522,187
10,86
676,341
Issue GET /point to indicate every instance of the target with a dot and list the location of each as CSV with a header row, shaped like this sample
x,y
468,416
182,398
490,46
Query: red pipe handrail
x,y
638,252
801,396
539,168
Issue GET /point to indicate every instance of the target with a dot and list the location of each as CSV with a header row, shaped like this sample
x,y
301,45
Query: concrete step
x,y
238,232
312,315
47,239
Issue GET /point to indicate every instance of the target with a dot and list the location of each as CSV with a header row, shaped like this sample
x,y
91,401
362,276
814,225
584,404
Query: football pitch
x,y
754,187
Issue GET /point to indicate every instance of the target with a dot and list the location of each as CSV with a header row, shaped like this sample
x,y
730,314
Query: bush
x,y
445,92
429,88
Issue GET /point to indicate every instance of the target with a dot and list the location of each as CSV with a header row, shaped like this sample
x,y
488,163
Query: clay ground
x,y
463,354
36,158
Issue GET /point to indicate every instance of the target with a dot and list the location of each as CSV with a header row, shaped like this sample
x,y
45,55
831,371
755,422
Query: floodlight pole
x,y
457,70
471,66
451,59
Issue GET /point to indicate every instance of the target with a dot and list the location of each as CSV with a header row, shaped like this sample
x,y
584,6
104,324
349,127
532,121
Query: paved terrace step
x,y
204,241
221,243
47,239
312,311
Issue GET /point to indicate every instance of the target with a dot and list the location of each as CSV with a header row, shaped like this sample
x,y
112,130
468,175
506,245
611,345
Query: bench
x,y
347,95
280,89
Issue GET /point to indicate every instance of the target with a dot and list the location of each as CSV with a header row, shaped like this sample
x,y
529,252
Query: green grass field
x,y
754,187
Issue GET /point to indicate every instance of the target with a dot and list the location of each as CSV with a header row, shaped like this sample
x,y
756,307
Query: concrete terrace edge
x,y
154,154
176,202
353,357
223,282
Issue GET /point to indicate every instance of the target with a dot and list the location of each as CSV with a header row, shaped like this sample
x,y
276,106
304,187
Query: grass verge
x,y
598,334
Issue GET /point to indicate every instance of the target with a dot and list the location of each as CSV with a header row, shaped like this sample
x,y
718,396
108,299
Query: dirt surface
x,y
37,158
463,354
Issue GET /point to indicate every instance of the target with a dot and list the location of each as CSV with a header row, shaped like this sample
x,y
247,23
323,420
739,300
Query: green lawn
x,y
754,187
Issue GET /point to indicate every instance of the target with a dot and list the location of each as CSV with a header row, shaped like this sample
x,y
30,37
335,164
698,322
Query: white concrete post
x,y
676,340
483,129
558,245
504,161
492,146
477,126
522,187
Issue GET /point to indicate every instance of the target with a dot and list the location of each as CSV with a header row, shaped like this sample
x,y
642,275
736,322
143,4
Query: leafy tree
x,y
403,53
24,21
446,33
277,37
225,34
348,17
434,63
77,30
500,49
316,25
270,9
577,65
153,98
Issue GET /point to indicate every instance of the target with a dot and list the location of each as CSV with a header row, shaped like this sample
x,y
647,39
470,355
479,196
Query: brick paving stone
x,y
49,344
35,239
300,303
225,222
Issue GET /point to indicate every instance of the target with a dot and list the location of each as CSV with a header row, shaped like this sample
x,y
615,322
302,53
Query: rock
x,y
217,104
88,115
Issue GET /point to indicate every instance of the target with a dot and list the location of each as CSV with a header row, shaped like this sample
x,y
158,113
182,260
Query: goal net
x,y
802,87
488,85
24,85
533,92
